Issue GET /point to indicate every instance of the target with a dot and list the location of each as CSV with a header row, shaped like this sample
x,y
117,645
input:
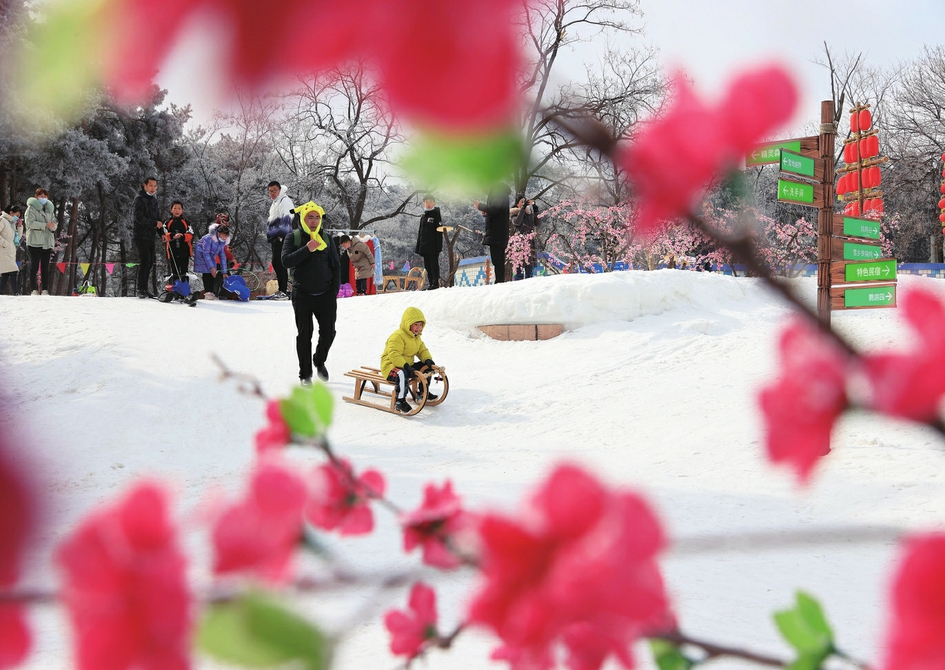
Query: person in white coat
x,y
278,227
11,230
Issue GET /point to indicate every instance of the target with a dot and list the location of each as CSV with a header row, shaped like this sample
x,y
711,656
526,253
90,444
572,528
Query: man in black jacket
x,y
315,268
496,211
147,226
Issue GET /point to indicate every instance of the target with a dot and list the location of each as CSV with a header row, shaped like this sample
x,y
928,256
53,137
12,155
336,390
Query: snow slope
x,y
652,386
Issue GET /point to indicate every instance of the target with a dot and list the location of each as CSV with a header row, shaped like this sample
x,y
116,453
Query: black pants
x,y
432,263
210,283
360,286
39,263
9,277
498,261
282,275
324,308
145,264
179,260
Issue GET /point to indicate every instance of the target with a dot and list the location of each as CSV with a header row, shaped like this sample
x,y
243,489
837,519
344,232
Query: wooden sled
x,y
369,380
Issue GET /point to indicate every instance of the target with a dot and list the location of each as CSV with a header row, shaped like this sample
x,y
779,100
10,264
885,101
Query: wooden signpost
x,y
870,297
766,154
848,250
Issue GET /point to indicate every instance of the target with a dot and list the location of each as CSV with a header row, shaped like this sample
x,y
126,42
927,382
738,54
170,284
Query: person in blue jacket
x,y
210,259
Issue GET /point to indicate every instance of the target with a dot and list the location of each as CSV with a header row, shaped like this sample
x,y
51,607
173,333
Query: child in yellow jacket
x,y
398,360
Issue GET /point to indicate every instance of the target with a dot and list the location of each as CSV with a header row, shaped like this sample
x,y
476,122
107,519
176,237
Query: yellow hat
x,y
302,211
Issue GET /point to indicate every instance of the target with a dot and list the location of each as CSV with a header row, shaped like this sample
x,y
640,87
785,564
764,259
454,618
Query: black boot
x,y
402,406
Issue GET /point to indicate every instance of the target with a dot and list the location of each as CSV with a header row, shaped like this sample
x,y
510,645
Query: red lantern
x,y
874,145
877,178
841,182
867,178
849,153
866,120
852,209
941,203
855,123
941,217
943,157
942,188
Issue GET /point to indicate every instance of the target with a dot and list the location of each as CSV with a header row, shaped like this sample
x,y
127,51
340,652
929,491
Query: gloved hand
x,y
429,363
408,371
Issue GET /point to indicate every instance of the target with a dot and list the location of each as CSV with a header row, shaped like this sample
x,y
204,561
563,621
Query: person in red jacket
x,y
178,241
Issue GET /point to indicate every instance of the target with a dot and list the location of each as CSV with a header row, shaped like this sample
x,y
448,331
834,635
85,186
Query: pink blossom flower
x,y
483,54
911,385
17,518
578,568
125,586
15,638
801,407
410,630
276,434
260,532
676,156
434,524
915,638
340,500
299,37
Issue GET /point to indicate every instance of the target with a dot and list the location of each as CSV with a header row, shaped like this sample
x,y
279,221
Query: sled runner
x,y
369,380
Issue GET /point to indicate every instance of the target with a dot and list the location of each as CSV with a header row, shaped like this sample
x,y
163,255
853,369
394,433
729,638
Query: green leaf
x,y
813,614
308,410
805,628
668,657
465,162
64,62
255,632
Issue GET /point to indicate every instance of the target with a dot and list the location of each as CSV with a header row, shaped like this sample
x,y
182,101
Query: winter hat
x,y
223,218
302,211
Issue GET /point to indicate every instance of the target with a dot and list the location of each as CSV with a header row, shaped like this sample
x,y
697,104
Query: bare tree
x,y
617,91
337,141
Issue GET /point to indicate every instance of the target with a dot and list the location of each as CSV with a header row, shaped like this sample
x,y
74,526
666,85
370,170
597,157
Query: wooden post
x,y
828,131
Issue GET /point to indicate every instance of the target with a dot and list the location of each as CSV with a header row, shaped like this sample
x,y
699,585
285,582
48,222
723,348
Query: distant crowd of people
x,y
298,246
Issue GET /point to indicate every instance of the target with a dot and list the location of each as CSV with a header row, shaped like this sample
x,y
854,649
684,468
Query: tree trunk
x,y
123,256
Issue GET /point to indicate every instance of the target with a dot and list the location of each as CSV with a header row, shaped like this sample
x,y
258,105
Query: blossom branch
x,y
713,651
245,383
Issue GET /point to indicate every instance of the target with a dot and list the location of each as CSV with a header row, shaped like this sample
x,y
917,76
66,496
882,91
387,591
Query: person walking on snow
x,y
397,361
278,227
316,276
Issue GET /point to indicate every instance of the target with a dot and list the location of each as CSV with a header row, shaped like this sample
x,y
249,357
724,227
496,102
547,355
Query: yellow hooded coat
x,y
402,346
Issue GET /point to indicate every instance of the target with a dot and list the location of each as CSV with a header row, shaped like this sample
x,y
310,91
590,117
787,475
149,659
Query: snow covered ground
x,y
651,386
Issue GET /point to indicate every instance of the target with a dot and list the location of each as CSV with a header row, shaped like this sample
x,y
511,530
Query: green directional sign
x,y
795,191
797,164
765,154
850,227
880,270
861,252
883,296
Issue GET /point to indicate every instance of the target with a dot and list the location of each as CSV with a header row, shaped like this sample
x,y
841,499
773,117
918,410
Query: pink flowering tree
x,y
586,238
